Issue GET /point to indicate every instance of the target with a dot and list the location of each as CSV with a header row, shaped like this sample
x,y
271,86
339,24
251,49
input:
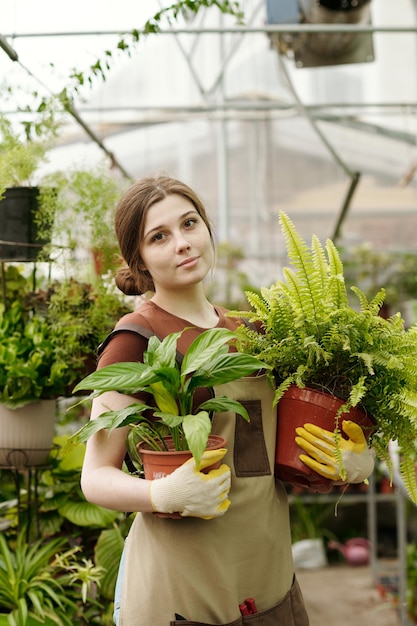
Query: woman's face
x,y
177,248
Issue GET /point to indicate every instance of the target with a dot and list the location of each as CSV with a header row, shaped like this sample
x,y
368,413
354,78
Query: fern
x,y
314,337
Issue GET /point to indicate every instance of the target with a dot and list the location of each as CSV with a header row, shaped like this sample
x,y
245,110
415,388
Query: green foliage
x,y
23,151
309,519
370,269
43,580
313,337
128,41
229,284
206,363
62,511
80,315
411,565
63,502
49,337
29,367
83,202
108,552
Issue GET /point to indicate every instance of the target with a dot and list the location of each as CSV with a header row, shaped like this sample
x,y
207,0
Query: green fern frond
x,y
337,287
319,262
408,476
367,359
305,280
363,300
258,304
377,301
297,249
358,391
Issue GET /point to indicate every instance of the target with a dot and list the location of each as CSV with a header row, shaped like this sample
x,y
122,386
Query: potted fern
x,y
172,385
315,341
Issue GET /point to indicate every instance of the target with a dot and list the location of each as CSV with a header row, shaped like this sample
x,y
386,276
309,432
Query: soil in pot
x,y
157,464
296,408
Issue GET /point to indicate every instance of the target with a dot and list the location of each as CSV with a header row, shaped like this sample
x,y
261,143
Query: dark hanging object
x,y
18,230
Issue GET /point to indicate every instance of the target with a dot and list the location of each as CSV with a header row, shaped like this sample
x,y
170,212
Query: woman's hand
x,y
191,492
321,448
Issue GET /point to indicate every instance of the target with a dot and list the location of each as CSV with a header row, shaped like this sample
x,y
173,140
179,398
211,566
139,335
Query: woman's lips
x,y
189,262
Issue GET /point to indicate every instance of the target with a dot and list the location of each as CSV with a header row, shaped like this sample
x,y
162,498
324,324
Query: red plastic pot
x,y
160,463
296,408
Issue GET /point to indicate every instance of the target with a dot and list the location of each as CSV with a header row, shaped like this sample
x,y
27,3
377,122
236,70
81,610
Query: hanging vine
x,y
128,41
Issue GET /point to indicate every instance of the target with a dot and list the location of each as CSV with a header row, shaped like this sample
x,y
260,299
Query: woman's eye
x,y
190,222
158,237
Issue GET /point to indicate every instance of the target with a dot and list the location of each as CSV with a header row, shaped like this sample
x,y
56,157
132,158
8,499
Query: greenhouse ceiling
x,y
236,110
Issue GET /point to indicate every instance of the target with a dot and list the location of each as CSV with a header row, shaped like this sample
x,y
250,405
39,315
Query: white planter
x,y
309,554
26,434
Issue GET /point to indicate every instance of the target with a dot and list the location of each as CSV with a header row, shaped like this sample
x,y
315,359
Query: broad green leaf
x,y
170,419
87,514
163,398
206,346
118,376
226,368
222,404
167,350
108,551
197,429
110,420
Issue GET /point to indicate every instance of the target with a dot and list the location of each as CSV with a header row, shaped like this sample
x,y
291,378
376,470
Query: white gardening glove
x,y
192,493
321,447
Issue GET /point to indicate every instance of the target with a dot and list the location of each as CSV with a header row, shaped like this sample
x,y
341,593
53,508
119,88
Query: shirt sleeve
x,y
124,346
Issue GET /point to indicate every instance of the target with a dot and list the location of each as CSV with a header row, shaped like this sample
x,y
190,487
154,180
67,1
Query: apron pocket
x,y
250,453
289,612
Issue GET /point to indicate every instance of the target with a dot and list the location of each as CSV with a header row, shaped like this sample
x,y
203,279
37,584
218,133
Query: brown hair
x,y
130,218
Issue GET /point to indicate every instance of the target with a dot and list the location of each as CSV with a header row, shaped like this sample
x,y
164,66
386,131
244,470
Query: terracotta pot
x,y
26,434
296,408
157,464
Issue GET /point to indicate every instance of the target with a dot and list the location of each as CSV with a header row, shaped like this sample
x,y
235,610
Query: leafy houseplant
x,y
69,209
84,204
47,335
48,339
206,363
315,339
44,583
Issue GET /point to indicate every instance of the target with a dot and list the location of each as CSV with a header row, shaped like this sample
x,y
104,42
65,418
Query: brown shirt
x,y
127,346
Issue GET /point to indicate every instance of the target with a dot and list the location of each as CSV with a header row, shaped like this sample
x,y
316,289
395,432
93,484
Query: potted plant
x,y
314,340
48,338
85,200
25,210
172,387
68,209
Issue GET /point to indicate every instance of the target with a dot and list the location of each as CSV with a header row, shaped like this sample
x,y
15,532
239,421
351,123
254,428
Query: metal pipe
x,y
236,30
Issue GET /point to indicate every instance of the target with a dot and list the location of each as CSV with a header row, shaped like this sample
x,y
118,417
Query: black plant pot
x,y
18,230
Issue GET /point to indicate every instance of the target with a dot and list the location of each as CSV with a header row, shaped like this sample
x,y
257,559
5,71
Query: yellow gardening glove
x,y
192,493
320,446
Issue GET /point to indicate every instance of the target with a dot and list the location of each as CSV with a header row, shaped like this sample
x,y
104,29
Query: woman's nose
x,y
181,242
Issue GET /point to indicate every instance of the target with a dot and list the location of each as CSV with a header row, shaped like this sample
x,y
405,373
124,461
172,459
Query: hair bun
x,y
126,282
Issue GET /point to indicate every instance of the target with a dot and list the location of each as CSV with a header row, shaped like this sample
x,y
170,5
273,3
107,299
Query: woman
x,y
199,570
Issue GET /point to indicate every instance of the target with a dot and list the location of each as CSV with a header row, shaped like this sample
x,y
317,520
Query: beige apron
x,y
203,569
